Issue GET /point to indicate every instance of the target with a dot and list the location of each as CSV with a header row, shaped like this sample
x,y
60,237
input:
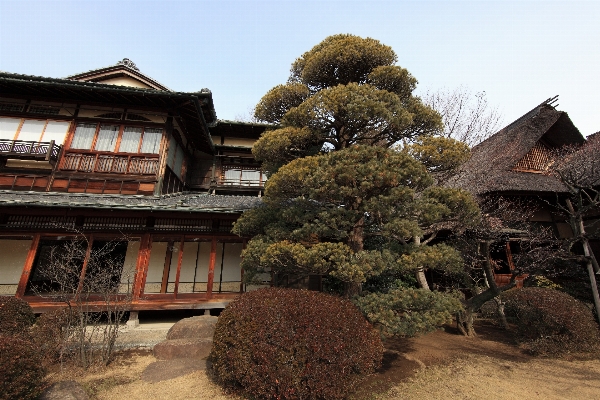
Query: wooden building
x,y
514,163
112,156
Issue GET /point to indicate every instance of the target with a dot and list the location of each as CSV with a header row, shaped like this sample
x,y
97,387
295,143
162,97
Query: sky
x,y
519,53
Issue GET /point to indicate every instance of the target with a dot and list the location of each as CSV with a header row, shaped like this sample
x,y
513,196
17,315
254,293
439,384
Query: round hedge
x,y
278,343
21,371
550,322
16,316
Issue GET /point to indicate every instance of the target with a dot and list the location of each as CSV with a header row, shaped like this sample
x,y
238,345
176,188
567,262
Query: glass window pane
x,y
56,130
250,177
130,140
232,176
31,130
83,137
178,161
107,138
172,151
151,141
8,127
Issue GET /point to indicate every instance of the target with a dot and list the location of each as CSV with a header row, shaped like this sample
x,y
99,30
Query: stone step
x,y
183,348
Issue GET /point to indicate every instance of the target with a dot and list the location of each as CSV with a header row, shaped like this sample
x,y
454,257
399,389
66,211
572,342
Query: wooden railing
x,y
23,149
109,163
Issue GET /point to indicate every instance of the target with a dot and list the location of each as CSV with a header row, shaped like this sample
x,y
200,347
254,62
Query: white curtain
x,y
56,130
31,130
250,178
83,137
107,138
8,127
151,141
130,140
232,176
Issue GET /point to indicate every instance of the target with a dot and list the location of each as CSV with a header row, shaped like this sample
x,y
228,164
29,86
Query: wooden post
x,y
88,252
179,260
28,265
211,267
167,267
141,268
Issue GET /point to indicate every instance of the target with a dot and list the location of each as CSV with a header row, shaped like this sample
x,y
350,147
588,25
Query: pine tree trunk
x,y
356,243
464,322
420,273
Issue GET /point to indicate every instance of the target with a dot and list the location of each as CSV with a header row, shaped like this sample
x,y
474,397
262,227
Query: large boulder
x,y
199,327
183,348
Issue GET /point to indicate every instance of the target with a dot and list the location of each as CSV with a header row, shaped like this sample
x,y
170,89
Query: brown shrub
x,y
21,372
278,343
550,322
49,332
16,316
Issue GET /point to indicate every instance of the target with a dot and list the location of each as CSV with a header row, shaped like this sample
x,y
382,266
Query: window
x,y
151,140
128,139
33,130
107,138
83,136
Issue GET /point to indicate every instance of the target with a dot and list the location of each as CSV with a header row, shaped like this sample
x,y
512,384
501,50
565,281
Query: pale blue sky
x,y
520,53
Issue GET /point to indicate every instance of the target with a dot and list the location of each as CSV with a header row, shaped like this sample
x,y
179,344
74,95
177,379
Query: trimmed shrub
x,y
49,332
409,312
276,343
550,322
16,316
21,372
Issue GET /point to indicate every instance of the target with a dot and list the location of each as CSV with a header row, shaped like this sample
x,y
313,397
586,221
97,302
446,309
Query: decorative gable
x,y
123,73
538,159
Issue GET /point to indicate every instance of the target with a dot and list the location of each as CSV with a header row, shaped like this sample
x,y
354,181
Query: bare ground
x,y
440,365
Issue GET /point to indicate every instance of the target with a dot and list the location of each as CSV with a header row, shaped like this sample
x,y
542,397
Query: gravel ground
x,y
143,336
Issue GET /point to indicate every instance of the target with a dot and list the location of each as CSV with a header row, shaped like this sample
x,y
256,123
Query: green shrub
x,y
16,316
21,372
408,312
278,343
550,322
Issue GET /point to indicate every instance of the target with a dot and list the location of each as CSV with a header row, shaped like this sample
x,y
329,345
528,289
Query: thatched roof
x,y
493,163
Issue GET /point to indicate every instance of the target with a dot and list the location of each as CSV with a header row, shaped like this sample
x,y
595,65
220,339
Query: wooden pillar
x,y
167,268
179,260
28,265
211,267
88,252
141,268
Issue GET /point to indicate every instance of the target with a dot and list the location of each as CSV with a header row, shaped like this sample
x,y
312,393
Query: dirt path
x,y
440,365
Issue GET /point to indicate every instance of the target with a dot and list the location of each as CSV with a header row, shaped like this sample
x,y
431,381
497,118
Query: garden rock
x,y
66,390
193,328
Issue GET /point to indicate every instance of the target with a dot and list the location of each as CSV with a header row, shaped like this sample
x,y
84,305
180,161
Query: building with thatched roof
x,y
520,162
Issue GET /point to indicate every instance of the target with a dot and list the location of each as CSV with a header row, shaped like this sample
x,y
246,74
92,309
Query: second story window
x,y
33,130
116,138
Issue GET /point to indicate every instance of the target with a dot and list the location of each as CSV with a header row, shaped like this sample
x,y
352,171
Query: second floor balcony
x,y
99,162
30,150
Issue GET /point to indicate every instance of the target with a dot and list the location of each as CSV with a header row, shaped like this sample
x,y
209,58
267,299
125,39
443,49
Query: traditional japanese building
x,y
111,156
514,164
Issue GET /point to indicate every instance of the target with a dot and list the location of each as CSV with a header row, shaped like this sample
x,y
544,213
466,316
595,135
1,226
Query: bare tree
x,y
95,285
467,117
578,168
504,221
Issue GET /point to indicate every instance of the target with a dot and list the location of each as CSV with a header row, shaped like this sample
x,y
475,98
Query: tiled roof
x,y
195,202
